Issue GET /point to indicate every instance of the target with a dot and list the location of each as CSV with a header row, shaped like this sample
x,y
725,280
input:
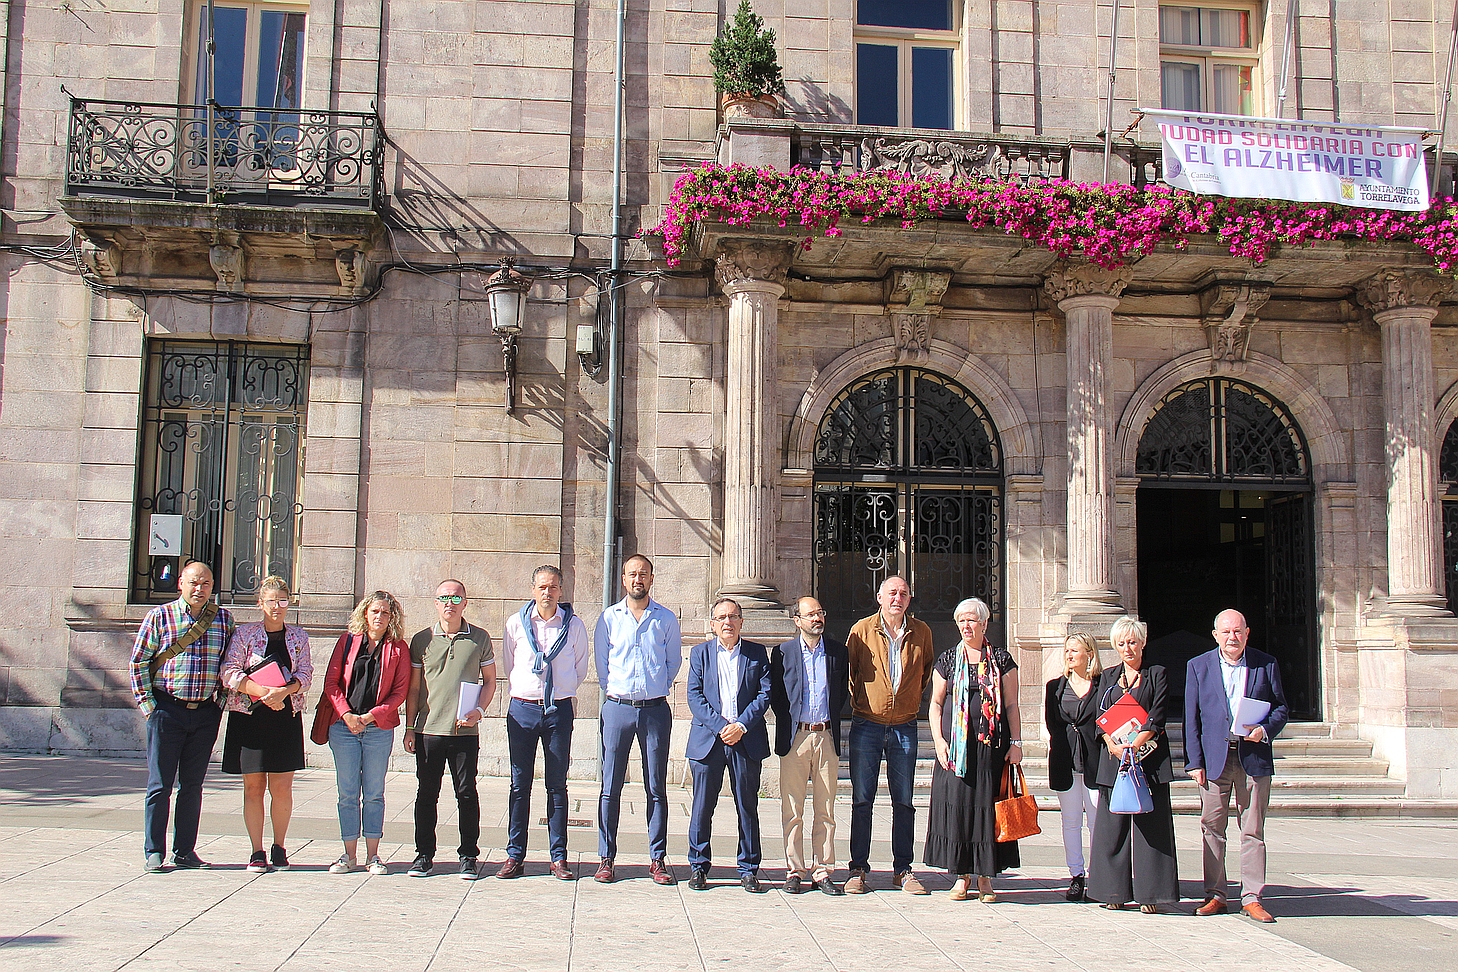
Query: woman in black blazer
x,y
1133,855
1070,705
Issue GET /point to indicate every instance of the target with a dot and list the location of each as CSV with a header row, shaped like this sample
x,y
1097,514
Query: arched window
x,y
1448,479
1221,430
908,479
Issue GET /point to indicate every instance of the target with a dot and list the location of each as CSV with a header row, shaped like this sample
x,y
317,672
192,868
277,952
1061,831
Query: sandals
x,y
985,894
1149,909
1113,905
959,889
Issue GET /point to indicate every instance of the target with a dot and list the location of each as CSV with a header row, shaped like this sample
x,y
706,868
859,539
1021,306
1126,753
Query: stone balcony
x,y
235,200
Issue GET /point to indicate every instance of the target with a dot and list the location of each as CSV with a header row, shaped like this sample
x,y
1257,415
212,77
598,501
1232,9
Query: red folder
x,y
271,676
1123,720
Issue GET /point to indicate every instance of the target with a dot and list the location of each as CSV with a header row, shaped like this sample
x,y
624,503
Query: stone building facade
x,y
273,322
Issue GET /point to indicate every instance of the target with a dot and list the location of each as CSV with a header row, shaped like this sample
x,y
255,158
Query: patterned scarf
x,y
989,691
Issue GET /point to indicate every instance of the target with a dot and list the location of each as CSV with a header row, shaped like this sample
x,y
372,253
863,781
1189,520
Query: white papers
x,y
1248,714
470,696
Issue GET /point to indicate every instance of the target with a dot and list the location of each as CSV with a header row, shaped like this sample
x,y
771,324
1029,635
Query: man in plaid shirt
x,y
180,705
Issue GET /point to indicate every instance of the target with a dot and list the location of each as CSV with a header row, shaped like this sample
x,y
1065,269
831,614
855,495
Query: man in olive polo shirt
x,y
442,657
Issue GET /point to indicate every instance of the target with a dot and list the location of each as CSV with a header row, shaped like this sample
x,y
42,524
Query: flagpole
x,y
1109,112
1447,97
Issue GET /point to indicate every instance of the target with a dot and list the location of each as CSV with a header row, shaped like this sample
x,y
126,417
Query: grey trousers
x,y
1252,798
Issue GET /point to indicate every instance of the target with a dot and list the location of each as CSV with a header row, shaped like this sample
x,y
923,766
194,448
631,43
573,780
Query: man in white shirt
x,y
728,693
545,650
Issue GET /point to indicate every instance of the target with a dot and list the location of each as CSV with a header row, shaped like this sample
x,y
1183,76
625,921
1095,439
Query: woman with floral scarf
x,y
978,731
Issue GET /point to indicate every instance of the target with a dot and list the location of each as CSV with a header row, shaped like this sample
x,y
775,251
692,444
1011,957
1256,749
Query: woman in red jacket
x,y
368,676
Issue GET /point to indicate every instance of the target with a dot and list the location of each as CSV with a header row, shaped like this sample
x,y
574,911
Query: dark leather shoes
x,y
1212,906
827,886
698,880
793,885
659,872
1075,889
513,868
1257,912
750,883
561,871
604,873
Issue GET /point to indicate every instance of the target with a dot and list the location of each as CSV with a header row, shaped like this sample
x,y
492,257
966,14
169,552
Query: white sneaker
x,y
377,866
344,865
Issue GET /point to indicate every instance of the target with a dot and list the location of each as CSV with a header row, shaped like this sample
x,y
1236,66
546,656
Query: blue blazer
x,y
787,689
703,699
1207,713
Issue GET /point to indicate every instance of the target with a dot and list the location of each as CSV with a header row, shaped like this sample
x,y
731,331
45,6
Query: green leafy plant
x,y
744,58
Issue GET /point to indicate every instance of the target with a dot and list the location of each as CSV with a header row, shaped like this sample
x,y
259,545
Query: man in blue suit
x,y
728,693
1222,761
809,682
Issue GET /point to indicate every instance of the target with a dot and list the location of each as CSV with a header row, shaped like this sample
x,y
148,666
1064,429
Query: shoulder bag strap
x,y
189,637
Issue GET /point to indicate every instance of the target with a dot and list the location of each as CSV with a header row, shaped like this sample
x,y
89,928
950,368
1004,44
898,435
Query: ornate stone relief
x,y
1084,279
228,262
920,289
1229,311
1390,289
349,264
101,256
913,337
954,161
740,260
911,325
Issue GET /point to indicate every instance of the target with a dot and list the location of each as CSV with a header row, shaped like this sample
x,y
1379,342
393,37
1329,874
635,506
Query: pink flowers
x,y
1109,225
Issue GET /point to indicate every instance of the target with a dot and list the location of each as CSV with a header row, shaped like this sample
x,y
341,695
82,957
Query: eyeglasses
x,y
721,619
450,598
812,614
276,602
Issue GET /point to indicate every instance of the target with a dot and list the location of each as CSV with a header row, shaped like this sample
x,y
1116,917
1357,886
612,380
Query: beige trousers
x,y
811,759
1252,798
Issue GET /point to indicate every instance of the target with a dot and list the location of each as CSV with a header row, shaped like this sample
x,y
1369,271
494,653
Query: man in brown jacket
x,y
891,661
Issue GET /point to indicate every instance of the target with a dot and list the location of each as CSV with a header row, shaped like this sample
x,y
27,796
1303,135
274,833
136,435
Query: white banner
x,y
1284,158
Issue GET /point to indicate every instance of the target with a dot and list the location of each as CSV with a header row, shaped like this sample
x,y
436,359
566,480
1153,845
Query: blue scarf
x,y
542,663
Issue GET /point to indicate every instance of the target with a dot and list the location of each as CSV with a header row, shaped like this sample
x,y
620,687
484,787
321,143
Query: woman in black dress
x,y
1133,855
976,726
265,740
1069,707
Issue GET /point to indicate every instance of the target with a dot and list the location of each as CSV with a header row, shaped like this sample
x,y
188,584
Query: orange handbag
x,y
1017,810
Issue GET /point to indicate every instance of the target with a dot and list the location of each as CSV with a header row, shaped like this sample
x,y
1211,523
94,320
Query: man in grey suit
x,y
1223,762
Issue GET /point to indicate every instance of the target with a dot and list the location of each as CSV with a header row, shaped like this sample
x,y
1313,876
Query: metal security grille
x,y
222,445
1218,430
908,479
1448,478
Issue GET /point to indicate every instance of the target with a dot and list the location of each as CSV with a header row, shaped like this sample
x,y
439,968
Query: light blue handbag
x,y
1131,790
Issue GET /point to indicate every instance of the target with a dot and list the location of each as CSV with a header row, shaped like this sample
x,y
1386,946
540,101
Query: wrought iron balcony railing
x,y
950,155
215,154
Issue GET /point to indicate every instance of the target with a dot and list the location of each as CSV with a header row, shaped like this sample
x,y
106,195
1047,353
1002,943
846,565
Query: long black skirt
x,y
1133,855
264,741
961,832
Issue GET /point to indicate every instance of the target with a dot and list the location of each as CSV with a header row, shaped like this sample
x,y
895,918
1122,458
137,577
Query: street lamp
x,y
506,290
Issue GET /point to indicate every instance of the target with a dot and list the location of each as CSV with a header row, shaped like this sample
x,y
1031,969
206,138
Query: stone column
x,y
1404,304
752,275
1087,295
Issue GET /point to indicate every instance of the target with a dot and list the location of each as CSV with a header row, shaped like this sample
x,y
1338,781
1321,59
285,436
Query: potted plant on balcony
x,y
746,67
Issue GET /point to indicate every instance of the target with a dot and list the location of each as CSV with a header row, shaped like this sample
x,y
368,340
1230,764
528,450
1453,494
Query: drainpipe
x,y
4,64
615,329
1286,54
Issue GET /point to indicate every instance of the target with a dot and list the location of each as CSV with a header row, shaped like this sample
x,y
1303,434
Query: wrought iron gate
x,y
908,479
222,442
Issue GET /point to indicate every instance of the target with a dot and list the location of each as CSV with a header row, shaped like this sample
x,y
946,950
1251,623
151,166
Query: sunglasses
x,y
450,599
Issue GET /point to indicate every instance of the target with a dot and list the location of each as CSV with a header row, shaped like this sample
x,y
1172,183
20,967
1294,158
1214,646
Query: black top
x,y
947,668
1073,736
278,650
1152,692
364,678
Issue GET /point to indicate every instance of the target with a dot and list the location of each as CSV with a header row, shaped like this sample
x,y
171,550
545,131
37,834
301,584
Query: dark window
x,y
877,99
918,14
931,87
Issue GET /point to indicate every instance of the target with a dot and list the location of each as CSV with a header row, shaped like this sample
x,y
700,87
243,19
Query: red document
x,y
271,676
1123,720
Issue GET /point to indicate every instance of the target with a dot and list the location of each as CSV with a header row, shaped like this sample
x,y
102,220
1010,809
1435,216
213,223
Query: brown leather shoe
x,y
659,872
907,882
1257,912
513,868
857,883
562,872
604,873
1212,906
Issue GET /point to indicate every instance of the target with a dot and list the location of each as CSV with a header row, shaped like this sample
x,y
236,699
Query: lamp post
x,y
506,290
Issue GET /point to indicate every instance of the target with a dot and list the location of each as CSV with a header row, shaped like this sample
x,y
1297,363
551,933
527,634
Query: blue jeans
x,y
360,763
653,727
526,724
179,743
869,741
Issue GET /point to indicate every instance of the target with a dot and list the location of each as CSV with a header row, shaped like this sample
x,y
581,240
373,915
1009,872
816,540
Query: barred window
x,y
222,448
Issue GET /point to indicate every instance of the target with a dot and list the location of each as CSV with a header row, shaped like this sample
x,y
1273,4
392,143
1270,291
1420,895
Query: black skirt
x,y
264,741
961,832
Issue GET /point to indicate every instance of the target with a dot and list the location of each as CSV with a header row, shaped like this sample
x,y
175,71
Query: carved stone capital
x,y
1084,280
1392,289
920,290
913,337
1229,311
753,260
103,257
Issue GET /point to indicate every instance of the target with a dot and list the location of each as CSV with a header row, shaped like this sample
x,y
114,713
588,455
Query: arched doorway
x,y
908,479
1448,480
1225,519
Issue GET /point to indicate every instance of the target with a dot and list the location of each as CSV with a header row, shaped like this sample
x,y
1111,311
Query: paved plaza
x,y
1370,894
